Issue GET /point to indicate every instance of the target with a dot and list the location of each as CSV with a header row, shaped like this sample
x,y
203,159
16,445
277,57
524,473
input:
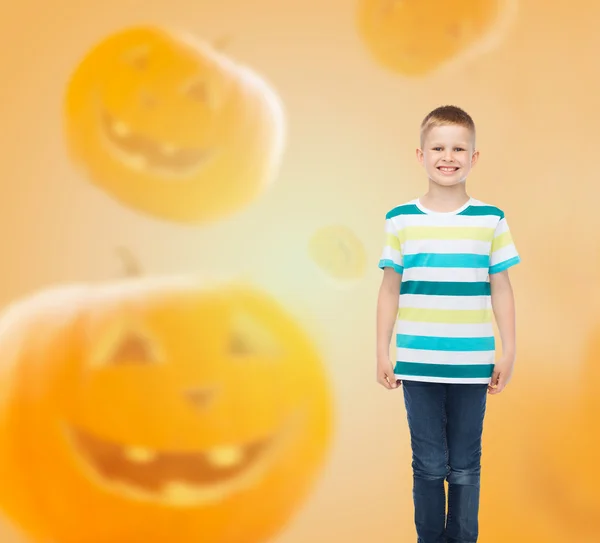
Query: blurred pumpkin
x,y
539,455
153,410
338,252
416,37
172,127
564,448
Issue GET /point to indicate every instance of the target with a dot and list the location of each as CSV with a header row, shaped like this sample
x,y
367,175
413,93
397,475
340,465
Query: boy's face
x,y
448,154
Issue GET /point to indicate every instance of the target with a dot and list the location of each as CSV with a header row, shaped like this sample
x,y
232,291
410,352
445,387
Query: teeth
x,y
178,492
139,455
120,129
225,457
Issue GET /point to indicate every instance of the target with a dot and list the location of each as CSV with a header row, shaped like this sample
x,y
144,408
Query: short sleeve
x,y
503,253
391,256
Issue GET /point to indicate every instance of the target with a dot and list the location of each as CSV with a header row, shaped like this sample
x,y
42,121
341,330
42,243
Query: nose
x,y
200,397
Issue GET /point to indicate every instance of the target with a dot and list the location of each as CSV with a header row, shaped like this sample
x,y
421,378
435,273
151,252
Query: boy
x,y
445,272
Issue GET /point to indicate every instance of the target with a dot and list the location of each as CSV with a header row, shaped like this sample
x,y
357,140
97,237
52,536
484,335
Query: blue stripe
x,y
501,266
480,211
409,209
475,371
441,288
435,260
432,343
386,263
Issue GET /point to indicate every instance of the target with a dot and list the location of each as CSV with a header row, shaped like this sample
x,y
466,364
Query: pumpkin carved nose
x,y
200,397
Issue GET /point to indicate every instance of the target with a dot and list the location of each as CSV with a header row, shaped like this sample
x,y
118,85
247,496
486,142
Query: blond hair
x,y
447,115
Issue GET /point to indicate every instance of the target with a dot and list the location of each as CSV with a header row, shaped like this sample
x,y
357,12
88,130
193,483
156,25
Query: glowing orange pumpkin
x,y
540,453
154,410
416,37
171,127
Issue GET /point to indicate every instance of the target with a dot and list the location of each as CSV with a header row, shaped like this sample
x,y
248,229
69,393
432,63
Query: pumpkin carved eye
x,y
249,337
138,57
197,90
128,347
132,349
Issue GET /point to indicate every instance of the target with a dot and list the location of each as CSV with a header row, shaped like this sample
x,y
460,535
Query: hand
x,y
501,376
385,374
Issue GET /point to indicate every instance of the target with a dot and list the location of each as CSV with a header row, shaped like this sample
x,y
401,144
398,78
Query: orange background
x,y
352,128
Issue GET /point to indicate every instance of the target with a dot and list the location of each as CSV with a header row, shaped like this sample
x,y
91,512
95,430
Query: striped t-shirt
x,y
444,329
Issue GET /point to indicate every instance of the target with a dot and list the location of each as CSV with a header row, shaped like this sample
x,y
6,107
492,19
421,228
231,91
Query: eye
x,y
126,348
250,337
138,58
437,149
197,90
458,149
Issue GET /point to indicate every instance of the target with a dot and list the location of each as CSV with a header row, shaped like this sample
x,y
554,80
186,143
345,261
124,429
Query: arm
x,y
387,311
503,305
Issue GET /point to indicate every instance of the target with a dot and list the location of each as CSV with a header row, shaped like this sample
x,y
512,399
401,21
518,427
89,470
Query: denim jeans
x,y
446,425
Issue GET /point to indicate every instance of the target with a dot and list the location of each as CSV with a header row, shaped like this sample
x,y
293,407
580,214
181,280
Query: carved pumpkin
x,y
338,253
154,410
416,37
171,127
564,448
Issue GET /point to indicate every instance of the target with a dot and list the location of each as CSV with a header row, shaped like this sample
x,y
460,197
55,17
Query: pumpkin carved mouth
x,y
143,153
179,478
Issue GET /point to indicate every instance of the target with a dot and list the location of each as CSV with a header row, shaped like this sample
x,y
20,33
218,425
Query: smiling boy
x,y
445,276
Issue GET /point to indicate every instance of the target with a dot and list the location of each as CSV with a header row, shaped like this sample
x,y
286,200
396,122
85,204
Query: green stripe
x,y
477,233
441,288
478,211
446,260
446,316
409,209
444,370
501,266
433,343
386,263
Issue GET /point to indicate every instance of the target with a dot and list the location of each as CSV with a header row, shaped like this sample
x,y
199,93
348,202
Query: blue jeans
x,y
446,425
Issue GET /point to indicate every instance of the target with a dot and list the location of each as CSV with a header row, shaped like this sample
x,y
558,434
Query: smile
x,y
175,478
143,153
447,169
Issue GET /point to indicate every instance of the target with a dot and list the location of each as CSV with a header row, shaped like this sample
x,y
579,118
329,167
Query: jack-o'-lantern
x,y
154,410
564,446
172,127
416,37
338,253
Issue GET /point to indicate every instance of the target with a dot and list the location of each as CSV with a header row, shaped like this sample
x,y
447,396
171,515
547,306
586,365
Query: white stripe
x,y
501,228
456,380
459,275
390,227
485,221
440,329
426,301
444,357
503,254
446,246
391,254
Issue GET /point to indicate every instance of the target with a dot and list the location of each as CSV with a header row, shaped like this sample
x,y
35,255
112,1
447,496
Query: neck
x,y
443,199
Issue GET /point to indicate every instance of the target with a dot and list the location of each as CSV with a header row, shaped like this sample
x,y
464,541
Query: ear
x,y
420,156
474,158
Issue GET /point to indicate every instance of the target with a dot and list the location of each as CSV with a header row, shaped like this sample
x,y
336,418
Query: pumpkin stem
x,y
130,263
